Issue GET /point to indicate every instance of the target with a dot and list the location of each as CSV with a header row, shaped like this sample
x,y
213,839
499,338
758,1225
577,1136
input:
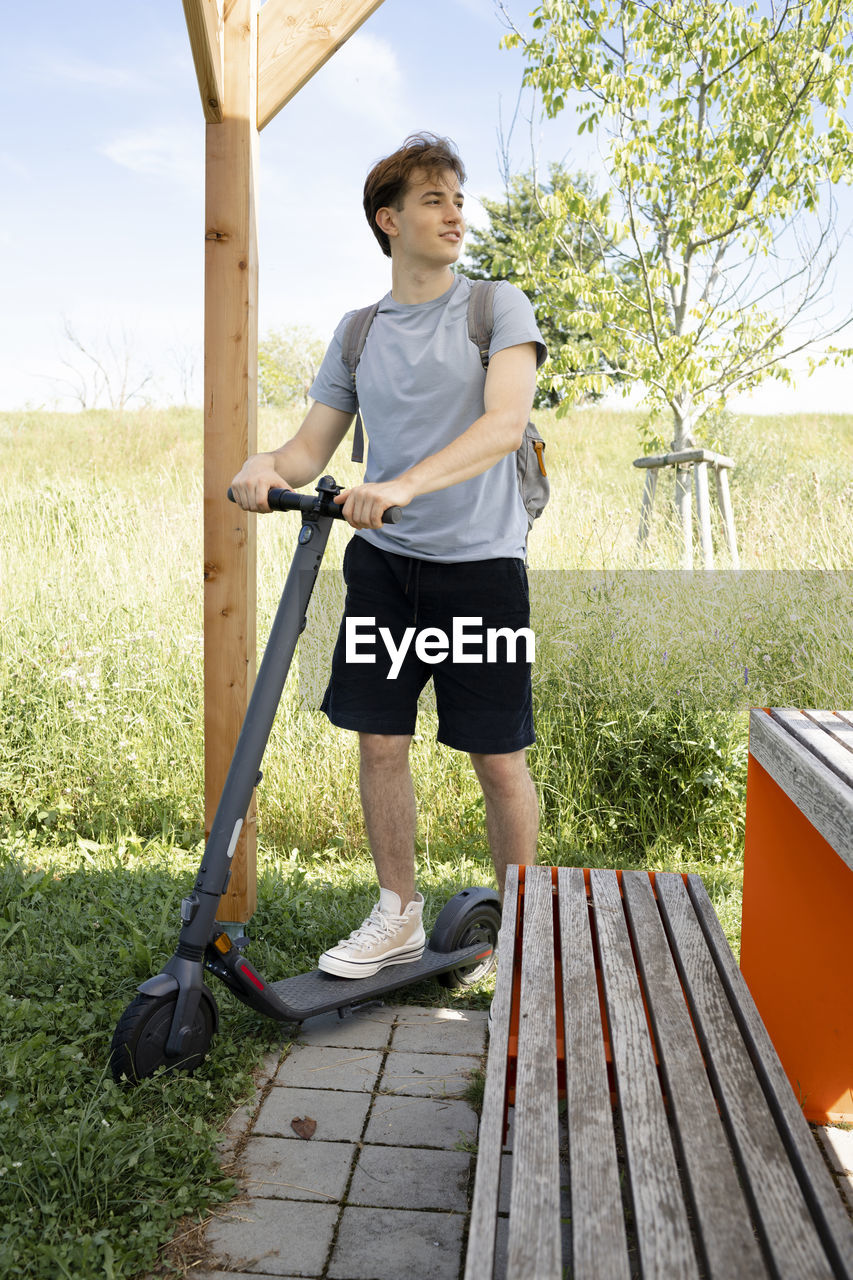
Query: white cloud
x,y
70,70
367,81
484,9
17,169
163,152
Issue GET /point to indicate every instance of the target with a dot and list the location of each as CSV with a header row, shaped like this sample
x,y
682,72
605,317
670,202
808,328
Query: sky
x,y
102,183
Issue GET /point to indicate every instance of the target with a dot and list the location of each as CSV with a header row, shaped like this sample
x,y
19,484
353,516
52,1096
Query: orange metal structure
x,y
796,940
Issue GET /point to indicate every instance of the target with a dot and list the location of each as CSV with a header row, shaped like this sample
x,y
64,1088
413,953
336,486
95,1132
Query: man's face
x,y
429,226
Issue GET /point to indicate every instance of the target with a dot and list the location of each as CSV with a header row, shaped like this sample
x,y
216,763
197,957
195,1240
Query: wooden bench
x,y
797,932
685,1152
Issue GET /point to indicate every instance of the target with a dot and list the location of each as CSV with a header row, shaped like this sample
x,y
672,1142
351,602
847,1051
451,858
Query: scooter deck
x,y
309,994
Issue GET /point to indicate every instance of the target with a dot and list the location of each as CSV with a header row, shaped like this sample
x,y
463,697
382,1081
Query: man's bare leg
x,y
388,801
512,809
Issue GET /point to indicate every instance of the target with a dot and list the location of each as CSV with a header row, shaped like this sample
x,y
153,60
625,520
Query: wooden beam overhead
x,y
295,38
204,24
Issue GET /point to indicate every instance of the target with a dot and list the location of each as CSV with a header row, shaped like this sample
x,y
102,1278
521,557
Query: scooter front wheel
x,y
139,1042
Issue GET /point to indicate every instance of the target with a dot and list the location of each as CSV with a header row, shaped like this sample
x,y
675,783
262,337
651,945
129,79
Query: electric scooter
x,y
173,1019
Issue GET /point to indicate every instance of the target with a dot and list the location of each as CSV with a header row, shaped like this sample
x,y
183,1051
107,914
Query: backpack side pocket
x,y
533,482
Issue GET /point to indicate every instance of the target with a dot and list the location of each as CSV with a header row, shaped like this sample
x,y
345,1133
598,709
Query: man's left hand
x,y
364,504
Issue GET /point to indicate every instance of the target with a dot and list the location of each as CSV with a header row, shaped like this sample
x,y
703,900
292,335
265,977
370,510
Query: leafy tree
x,y
722,130
288,360
490,256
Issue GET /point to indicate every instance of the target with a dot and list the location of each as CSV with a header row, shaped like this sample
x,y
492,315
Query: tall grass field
x,y
643,680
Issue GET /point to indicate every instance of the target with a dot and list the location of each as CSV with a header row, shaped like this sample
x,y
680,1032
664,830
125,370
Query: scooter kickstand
x,y
347,1010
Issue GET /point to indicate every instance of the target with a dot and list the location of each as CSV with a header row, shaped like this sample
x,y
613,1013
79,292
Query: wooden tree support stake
x,y
699,460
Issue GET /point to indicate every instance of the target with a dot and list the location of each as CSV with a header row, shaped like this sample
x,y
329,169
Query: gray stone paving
x,y
380,1191
421,1122
427,1075
405,1245
340,1116
411,1178
317,1067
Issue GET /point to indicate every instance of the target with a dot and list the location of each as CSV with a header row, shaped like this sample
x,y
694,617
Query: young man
x,y
442,439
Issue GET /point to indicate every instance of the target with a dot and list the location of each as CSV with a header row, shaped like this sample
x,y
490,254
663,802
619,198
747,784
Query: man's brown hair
x,y
389,179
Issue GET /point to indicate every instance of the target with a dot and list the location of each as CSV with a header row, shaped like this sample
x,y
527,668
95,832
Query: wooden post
x,y
290,40
230,428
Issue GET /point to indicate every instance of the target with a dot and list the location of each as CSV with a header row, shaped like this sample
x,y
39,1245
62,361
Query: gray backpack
x,y
533,481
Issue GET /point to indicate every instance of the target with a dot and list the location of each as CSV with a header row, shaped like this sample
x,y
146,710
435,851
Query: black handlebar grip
x,y
287,500
391,515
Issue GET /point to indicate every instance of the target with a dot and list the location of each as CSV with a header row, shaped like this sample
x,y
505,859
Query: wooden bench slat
x,y
788,1233
813,732
821,1194
719,1207
534,1213
480,1257
663,1232
815,789
599,1243
836,726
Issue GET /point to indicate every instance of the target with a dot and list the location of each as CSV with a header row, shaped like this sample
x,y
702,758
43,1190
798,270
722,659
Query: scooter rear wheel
x,y
139,1042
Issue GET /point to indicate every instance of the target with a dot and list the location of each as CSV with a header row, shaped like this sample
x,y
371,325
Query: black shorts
x,y
465,625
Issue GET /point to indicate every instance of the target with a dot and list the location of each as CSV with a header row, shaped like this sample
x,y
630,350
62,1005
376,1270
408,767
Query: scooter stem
x,y
198,909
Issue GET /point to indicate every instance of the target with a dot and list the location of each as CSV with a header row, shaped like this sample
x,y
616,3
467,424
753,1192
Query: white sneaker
x,y
388,936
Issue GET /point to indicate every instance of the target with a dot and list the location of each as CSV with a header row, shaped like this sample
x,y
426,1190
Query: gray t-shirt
x,y
420,385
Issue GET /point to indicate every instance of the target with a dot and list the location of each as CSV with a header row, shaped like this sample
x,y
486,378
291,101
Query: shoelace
x,y
376,928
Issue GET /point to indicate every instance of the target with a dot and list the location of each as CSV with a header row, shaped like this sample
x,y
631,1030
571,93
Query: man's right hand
x,y
253,482
303,458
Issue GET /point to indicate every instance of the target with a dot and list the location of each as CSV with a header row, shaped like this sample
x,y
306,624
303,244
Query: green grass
x,y
92,1177
643,681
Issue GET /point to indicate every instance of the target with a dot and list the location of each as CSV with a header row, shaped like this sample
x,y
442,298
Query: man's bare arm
x,y
508,399
296,463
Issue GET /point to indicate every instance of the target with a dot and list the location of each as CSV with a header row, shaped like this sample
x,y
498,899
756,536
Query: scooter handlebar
x,y
288,500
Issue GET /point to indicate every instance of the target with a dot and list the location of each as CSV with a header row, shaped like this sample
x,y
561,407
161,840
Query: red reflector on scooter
x,y
253,977
484,955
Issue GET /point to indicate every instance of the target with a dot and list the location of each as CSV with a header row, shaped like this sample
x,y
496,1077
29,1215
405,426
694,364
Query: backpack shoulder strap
x,y
481,316
355,336
352,346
